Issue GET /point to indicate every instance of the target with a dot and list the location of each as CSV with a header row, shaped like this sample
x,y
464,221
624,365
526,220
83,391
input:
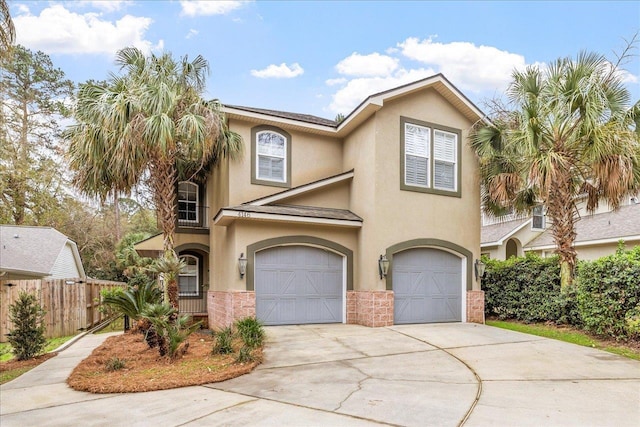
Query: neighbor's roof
x,y
623,224
32,250
496,234
321,126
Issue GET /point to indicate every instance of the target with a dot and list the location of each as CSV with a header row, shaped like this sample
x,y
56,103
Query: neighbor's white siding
x,y
65,266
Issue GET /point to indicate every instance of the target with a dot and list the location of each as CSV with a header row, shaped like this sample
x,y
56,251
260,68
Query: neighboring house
x,y
37,253
316,208
597,234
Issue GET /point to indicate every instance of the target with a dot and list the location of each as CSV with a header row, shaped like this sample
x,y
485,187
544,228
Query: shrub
x,y
525,289
108,310
142,291
251,332
244,355
114,364
608,294
27,336
224,341
170,331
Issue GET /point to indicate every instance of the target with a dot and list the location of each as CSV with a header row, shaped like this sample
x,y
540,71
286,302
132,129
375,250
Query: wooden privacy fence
x,y
71,305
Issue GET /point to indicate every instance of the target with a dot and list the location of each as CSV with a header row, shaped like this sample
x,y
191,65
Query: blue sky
x,y
325,57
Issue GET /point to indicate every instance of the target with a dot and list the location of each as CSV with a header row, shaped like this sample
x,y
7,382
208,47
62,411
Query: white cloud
x,y
57,30
356,90
207,8
338,81
469,67
106,6
479,69
22,8
191,33
282,71
367,65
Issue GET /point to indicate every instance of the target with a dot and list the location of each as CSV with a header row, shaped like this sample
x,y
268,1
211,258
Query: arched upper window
x,y
271,156
188,278
188,202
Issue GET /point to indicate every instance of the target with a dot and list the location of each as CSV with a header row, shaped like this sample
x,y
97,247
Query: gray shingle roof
x,y
308,118
30,249
609,225
295,210
495,232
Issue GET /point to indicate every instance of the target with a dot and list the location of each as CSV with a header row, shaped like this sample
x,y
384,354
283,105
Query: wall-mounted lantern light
x,y
480,268
383,266
242,265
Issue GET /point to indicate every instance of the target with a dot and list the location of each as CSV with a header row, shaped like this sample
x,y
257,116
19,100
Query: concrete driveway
x,y
333,375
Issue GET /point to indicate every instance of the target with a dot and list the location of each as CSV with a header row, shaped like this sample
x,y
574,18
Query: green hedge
x,y
525,289
605,299
608,294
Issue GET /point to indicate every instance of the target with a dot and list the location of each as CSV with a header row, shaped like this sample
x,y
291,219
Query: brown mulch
x,y
145,370
12,364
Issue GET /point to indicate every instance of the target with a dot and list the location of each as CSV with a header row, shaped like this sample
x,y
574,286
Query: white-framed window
x,y
188,278
445,160
430,158
271,156
417,149
538,218
187,202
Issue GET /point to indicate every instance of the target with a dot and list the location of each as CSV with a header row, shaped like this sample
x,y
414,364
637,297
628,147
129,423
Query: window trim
x,y
544,218
197,276
197,202
254,157
457,174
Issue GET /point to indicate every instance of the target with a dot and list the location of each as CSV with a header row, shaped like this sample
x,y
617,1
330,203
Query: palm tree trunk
x,y
116,210
562,211
164,182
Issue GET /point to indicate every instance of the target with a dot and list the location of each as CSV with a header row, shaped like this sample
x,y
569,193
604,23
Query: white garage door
x,y
427,286
297,285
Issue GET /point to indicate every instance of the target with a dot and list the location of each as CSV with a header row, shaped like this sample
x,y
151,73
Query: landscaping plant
x,y
171,331
608,294
27,336
224,341
251,331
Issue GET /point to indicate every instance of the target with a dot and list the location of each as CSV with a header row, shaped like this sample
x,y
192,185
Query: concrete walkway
x,y
347,375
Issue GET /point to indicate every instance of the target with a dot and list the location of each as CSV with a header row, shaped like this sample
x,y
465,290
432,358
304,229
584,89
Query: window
x,y
187,202
538,218
444,160
430,158
188,277
270,156
417,149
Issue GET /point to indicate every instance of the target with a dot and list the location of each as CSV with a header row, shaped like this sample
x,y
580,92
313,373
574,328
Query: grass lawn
x,y
574,336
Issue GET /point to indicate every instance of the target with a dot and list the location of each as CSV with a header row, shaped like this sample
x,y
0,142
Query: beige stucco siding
x,y
391,215
313,157
239,235
334,196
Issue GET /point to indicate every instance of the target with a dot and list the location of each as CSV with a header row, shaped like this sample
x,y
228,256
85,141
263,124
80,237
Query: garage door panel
x,y
427,285
308,286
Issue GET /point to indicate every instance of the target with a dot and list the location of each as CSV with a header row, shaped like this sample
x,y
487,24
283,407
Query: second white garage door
x,y
427,286
298,285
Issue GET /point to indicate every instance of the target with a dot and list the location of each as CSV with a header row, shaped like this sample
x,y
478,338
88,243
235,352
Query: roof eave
x,y
226,217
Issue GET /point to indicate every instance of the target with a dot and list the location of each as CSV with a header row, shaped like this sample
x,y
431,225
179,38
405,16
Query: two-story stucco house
x,y
371,221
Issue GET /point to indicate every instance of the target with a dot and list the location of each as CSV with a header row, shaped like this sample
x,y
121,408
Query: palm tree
x,y
149,124
7,30
570,135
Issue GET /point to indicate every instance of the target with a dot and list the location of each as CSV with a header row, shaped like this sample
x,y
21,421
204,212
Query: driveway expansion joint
x,y
469,367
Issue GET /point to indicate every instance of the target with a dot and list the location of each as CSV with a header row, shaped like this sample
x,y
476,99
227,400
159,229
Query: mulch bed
x,y
145,370
29,363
